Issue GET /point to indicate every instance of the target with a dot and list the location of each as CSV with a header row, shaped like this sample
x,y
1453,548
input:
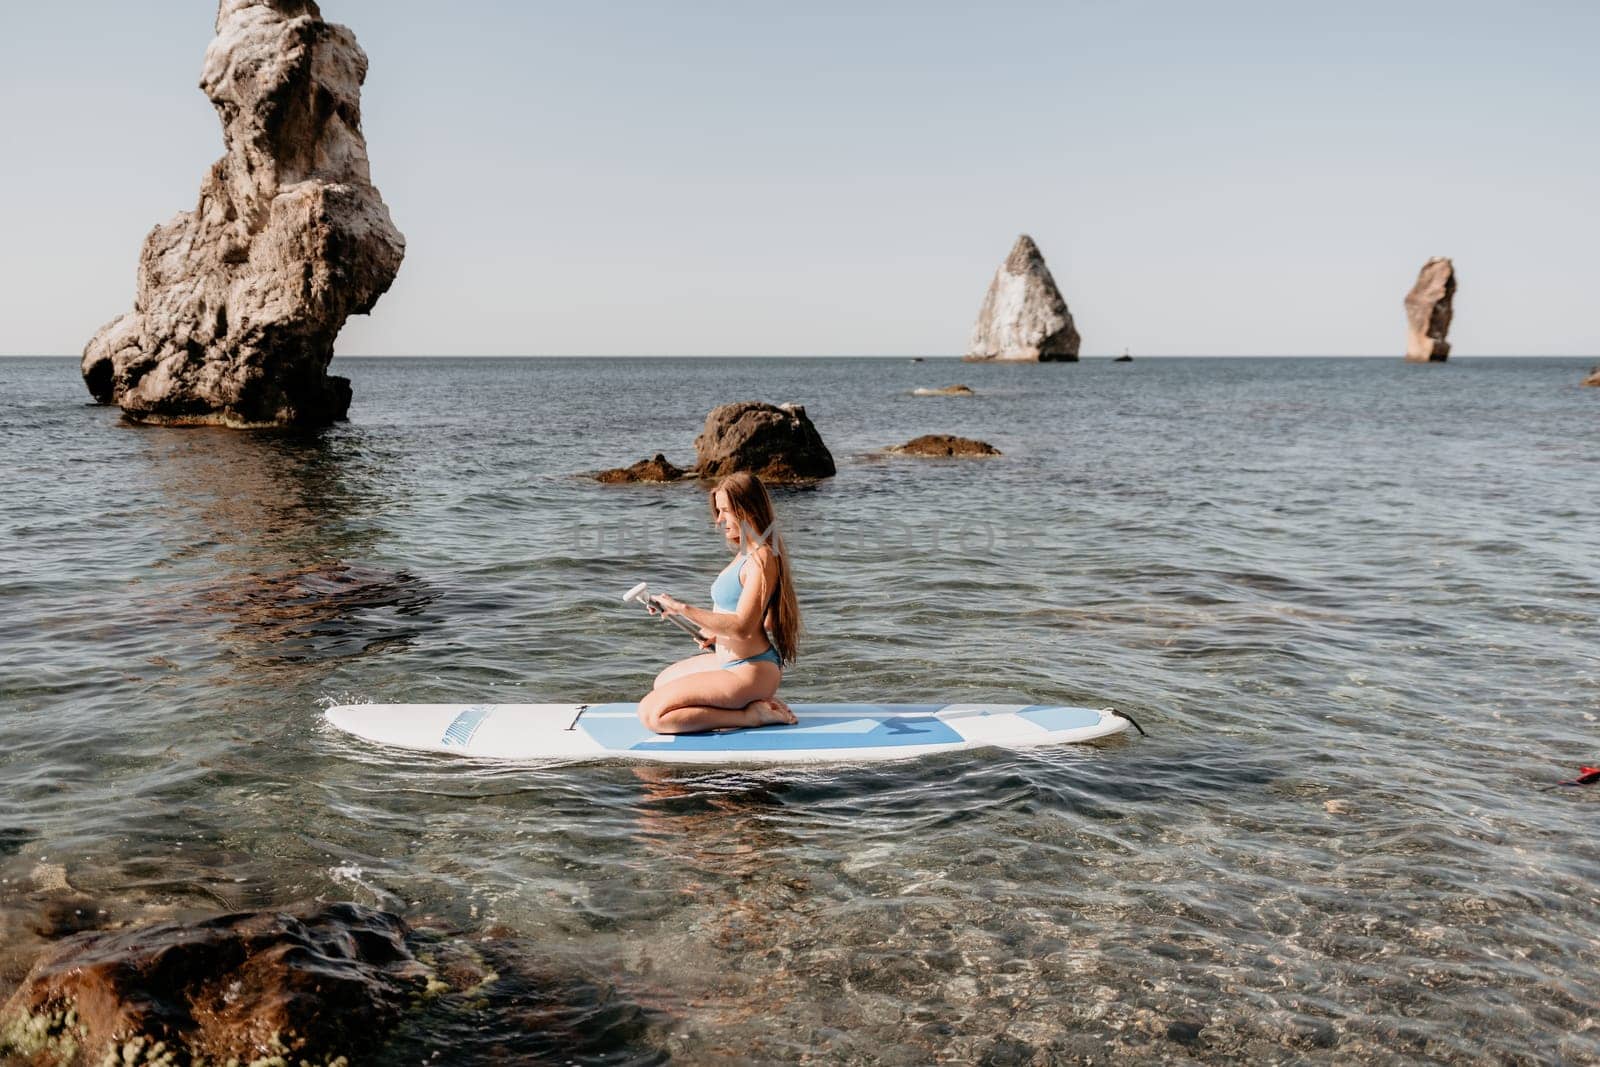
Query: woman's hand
x,y
708,642
668,605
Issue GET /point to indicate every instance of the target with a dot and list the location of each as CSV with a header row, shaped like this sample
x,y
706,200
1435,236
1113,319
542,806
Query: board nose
x,y
342,716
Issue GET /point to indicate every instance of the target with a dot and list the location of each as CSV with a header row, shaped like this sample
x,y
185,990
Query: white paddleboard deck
x,y
826,733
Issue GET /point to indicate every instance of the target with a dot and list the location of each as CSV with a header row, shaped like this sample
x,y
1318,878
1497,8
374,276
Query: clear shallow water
x,y
1353,601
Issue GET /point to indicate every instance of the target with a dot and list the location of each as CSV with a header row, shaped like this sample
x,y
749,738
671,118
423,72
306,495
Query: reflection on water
x,y
277,516
325,611
1360,632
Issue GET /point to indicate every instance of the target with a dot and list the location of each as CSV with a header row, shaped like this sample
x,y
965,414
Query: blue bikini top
x,y
726,589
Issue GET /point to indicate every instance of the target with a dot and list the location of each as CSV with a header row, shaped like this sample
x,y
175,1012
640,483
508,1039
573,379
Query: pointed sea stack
x,y
239,300
1428,310
1023,316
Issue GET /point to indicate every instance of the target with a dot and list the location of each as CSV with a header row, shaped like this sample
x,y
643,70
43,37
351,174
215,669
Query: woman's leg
x,y
716,700
693,665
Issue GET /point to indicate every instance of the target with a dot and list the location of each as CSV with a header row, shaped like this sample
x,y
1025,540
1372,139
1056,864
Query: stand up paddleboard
x,y
831,733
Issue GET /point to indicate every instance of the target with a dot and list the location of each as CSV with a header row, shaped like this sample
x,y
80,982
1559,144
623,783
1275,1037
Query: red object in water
x,y
1586,776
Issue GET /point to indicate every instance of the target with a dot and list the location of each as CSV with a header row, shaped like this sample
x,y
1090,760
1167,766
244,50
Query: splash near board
x,y
826,733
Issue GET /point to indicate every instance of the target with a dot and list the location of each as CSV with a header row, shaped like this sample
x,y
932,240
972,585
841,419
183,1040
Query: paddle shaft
x,y
680,622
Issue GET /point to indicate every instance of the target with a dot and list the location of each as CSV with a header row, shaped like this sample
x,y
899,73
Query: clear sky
x,y
684,178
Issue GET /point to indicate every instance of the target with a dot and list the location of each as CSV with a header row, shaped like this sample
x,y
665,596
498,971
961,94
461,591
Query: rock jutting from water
x,y
313,983
777,442
1024,316
657,469
1428,311
943,444
949,390
239,301
1594,376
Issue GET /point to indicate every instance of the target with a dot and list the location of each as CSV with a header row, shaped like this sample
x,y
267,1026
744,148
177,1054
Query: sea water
x,y
1353,602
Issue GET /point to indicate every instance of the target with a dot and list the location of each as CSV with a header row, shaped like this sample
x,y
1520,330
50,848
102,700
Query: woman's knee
x,y
650,707
657,704
665,722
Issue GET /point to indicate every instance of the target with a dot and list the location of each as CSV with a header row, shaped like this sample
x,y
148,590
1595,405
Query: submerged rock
x,y
657,469
239,301
60,915
949,390
1186,1031
943,444
777,442
313,983
1024,316
1428,311
12,838
316,984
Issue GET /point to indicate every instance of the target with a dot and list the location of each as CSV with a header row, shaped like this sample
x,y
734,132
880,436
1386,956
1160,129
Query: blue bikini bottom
x,y
769,656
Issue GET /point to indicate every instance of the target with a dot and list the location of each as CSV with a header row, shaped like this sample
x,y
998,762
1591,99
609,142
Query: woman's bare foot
x,y
772,712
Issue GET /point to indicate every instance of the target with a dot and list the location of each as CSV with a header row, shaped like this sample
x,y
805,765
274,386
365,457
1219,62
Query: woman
x,y
754,623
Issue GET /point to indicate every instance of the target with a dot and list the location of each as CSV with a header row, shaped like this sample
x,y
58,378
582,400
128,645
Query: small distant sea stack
x,y
1428,310
1023,316
239,300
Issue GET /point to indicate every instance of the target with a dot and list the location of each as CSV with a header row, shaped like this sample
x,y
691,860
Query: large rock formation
x,y
1428,312
309,983
775,442
1023,316
239,300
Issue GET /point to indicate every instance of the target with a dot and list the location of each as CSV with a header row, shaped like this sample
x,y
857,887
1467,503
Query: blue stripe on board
x,y
881,726
1052,717
459,733
871,711
595,711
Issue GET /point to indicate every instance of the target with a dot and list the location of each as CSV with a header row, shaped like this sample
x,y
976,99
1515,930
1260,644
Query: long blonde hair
x,y
752,509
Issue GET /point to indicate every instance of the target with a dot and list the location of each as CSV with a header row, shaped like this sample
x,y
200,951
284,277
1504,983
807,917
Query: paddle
x,y
640,594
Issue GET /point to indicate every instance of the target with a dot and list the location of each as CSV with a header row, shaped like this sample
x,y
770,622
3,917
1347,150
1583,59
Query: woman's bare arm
x,y
746,621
